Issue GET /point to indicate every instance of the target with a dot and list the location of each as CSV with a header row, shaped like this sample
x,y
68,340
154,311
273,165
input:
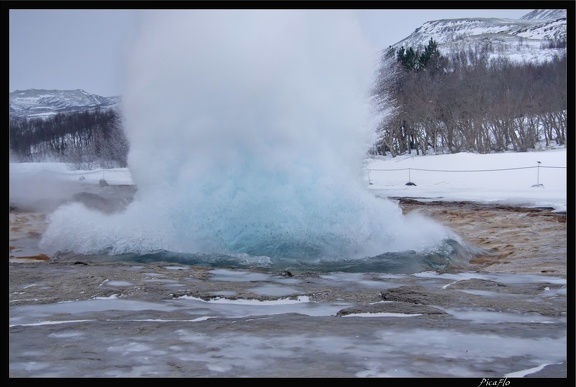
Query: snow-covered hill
x,y
532,38
34,103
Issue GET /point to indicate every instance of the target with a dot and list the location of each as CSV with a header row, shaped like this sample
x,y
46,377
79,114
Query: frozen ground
x,y
536,178
96,320
76,317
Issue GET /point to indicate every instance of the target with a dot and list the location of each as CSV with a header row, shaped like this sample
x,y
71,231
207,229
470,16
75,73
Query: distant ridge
x,y
545,14
41,103
532,38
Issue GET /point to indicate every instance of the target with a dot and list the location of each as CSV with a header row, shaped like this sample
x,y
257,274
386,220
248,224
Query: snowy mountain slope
x,y
34,103
529,39
544,14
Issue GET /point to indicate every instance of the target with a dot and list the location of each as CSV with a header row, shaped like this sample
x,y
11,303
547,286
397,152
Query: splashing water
x,y
247,132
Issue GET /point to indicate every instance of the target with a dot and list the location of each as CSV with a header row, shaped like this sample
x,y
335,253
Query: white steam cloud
x,y
247,131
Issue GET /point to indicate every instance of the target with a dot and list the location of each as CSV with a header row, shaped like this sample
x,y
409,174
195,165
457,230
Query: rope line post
x,y
538,177
538,184
409,180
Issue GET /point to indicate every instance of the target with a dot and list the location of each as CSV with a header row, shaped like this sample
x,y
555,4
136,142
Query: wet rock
x,y
93,201
447,298
391,307
418,295
109,199
479,284
492,286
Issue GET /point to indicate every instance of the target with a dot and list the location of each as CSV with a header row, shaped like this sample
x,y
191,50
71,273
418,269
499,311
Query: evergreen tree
x,y
416,60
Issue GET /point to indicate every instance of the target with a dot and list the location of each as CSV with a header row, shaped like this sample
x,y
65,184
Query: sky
x,y
69,49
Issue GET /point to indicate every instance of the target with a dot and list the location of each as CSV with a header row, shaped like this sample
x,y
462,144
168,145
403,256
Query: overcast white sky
x,y
82,49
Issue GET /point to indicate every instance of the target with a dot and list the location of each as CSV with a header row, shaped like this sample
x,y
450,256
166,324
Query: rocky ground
x,y
505,317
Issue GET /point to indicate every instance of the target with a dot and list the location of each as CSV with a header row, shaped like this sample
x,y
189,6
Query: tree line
x,y
85,139
429,102
468,102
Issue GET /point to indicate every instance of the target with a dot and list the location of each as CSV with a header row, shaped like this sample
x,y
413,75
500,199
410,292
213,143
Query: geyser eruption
x,y
247,133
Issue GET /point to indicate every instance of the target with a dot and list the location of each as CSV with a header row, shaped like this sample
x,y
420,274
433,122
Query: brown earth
x,y
516,239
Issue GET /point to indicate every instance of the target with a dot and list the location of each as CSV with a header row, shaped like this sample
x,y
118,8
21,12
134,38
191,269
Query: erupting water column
x,y
247,132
